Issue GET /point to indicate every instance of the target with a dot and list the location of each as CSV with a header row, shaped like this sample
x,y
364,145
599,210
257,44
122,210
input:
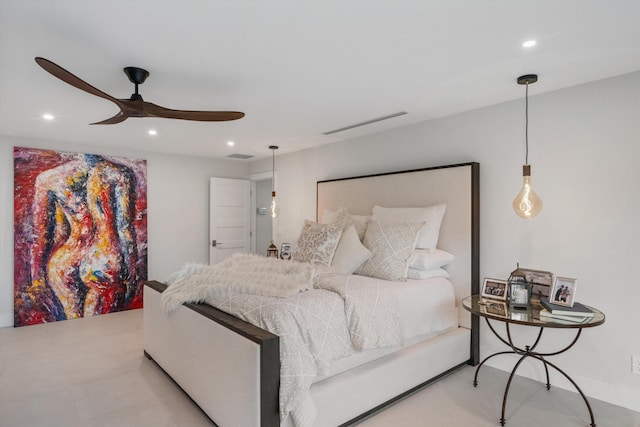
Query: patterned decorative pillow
x,y
392,246
318,242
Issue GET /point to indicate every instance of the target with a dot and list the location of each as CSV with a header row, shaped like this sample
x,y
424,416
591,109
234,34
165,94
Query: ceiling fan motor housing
x,y
136,75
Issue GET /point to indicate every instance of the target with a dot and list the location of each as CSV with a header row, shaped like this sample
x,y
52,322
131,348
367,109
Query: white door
x,y
229,218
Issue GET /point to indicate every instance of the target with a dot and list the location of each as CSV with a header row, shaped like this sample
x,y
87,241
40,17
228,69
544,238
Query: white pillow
x,y
423,275
317,243
392,246
423,259
359,221
350,253
432,216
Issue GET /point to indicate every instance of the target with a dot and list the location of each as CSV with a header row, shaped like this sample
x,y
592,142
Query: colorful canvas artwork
x,y
80,234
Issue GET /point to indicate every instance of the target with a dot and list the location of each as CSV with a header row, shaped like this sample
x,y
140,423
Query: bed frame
x,y
231,369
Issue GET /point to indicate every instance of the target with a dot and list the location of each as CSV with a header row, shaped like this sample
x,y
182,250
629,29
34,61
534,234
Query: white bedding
x,y
426,309
426,306
342,316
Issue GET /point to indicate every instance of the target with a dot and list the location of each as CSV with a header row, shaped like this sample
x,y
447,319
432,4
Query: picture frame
x,y
285,251
541,282
495,309
563,291
494,289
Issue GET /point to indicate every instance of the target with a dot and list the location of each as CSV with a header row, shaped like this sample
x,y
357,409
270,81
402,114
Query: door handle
x,y
215,243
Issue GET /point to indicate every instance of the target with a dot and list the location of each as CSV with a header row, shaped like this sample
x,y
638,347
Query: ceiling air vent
x,y
367,122
239,156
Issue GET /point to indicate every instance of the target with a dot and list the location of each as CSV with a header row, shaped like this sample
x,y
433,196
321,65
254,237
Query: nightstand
x,y
498,311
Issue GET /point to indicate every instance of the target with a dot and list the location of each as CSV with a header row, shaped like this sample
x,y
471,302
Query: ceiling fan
x,y
135,106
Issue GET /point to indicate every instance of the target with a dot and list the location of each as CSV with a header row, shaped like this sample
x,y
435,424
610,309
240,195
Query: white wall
x,y
177,206
584,149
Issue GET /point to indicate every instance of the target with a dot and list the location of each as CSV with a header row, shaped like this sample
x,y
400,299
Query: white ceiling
x,y
296,68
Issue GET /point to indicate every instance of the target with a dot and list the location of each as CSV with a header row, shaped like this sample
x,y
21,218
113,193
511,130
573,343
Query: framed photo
x,y
563,291
495,308
285,251
541,281
494,289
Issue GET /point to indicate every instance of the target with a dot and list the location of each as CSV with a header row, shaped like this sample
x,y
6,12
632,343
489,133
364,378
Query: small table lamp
x,y
272,251
519,290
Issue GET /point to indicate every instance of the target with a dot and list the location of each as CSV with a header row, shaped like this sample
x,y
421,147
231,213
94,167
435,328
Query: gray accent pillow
x,y
350,253
391,245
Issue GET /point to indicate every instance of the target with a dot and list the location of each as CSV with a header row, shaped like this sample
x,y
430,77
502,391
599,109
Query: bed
x,y
232,369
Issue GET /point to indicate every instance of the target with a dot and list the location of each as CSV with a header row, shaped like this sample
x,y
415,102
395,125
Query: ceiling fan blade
x,y
118,118
73,80
128,108
153,110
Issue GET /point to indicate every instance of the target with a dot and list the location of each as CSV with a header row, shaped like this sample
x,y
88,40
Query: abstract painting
x,y
80,234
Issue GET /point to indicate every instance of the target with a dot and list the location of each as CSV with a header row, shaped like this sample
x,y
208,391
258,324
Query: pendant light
x,y
527,204
274,209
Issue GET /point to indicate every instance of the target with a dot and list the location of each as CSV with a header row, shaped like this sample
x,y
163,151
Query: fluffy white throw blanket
x,y
238,274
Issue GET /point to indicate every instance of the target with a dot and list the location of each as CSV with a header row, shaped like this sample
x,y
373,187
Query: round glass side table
x,y
499,311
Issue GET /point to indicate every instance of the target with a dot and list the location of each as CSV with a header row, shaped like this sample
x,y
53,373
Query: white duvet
x,y
341,315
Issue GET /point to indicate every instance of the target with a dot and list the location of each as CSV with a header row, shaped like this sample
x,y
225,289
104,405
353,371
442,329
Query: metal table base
x,y
529,351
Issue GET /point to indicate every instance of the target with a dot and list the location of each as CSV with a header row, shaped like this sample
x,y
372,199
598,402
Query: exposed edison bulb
x,y
527,204
274,209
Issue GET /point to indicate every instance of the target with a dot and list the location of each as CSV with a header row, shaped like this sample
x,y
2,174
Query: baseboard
x,y
619,395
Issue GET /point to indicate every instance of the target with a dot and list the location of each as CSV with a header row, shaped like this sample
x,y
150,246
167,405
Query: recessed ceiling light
x,y
153,132
47,116
529,43
231,143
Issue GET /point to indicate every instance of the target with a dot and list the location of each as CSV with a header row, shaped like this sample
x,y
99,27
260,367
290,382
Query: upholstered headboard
x,y
457,186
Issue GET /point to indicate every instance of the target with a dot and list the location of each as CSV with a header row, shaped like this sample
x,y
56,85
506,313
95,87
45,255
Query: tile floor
x,y
92,372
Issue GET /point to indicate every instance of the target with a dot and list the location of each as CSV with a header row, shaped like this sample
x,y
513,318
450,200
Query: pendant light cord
x,y
273,170
526,125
